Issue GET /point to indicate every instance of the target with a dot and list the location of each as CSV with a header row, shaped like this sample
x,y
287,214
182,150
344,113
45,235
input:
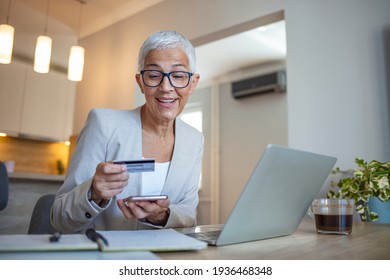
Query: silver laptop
x,y
276,197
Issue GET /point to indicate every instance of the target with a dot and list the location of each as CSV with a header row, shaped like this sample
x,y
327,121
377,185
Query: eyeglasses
x,y
177,79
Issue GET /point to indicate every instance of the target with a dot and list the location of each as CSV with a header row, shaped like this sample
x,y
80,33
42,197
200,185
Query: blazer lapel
x,y
177,167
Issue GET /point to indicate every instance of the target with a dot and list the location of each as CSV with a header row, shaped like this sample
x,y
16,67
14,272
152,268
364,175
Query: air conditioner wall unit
x,y
274,82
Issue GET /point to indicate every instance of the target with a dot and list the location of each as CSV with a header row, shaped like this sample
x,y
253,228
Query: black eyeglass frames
x,y
177,79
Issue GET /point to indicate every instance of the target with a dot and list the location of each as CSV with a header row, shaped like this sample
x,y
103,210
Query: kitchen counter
x,y
17,176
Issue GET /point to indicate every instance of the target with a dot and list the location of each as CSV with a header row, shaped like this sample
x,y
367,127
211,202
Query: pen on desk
x,y
97,237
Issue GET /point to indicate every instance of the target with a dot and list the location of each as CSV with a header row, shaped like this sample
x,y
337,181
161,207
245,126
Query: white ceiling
x,y
96,14
28,18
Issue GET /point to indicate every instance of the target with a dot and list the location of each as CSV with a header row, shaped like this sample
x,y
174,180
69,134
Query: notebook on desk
x,y
114,241
276,197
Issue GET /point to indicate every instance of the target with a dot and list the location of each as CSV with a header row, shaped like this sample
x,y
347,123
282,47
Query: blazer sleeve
x,y
72,211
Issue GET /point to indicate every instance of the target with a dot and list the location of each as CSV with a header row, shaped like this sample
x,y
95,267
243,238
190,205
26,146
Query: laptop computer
x,y
276,197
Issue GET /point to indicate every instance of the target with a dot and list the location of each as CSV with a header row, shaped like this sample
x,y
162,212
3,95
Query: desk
x,y
367,241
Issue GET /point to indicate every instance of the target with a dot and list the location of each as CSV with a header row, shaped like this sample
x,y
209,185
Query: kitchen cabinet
x,y
48,105
12,77
40,106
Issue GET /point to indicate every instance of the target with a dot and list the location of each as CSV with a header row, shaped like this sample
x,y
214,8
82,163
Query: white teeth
x,y
167,100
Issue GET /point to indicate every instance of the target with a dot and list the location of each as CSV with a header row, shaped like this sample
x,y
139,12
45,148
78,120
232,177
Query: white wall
x,y
337,100
247,126
338,93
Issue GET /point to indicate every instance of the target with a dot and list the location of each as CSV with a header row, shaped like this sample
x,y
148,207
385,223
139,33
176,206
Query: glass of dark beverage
x,y
333,216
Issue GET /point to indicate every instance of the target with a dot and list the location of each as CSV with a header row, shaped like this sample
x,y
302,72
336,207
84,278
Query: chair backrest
x,y
40,218
3,186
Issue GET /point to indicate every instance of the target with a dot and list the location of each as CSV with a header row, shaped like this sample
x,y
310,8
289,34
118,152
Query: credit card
x,y
139,165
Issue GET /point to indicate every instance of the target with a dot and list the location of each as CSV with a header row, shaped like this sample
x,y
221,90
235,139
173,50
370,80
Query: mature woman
x,y
94,188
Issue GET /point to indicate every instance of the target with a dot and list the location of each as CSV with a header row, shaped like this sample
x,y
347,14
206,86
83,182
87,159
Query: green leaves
x,y
369,179
360,209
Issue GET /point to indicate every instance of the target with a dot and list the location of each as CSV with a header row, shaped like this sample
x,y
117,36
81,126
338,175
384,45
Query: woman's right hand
x,y
109,180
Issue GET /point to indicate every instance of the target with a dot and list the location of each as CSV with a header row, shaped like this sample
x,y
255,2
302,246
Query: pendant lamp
x,y
76,57
6,40
43,49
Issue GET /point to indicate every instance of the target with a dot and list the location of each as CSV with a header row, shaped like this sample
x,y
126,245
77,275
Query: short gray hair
x,y
167,39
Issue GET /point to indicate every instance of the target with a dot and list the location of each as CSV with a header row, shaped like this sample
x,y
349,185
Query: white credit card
x,y
138,165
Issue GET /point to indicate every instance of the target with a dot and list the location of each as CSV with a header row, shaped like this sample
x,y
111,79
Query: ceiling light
x,y
43,49
42,54
76,63
6,40
76,57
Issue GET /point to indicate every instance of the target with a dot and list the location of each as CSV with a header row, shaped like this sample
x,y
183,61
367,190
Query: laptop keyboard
x,y
206,235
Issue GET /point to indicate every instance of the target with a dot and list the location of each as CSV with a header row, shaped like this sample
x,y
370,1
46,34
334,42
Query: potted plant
x,y
369,180
60,167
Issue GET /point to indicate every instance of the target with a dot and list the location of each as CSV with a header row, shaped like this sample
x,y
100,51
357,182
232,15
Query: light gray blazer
x,y
111,134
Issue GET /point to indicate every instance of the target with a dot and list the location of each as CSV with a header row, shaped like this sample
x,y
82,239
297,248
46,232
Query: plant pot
x,y
380,207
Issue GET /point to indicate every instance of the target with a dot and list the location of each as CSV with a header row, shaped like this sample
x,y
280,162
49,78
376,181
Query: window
x,y
193,116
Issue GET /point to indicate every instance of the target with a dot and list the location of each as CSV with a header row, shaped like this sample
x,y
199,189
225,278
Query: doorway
x,y
222,58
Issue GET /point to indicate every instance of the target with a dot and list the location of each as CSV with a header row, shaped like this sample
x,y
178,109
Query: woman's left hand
x,y
156,212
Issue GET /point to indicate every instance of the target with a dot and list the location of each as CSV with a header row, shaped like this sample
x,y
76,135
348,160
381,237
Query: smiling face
x,y
164,102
